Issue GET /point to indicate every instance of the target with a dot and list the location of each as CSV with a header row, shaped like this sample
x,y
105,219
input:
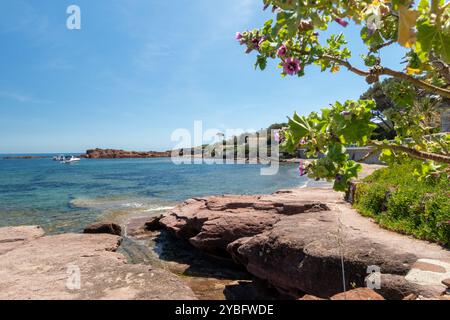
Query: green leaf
x,y
369,60
261,62
431,38
337,153
299,126
426,33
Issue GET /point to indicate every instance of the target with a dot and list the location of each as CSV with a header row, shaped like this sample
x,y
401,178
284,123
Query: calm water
x,y
65,198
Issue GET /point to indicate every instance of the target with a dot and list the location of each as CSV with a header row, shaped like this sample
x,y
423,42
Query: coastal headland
x,y
122,154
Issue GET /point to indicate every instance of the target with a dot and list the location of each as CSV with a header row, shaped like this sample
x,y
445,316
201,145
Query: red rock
x,y
13,237
428,267
153,224
212,224
104,227
46,267
308,297
295,241
396,287
122,154
412,296
446,282
358,294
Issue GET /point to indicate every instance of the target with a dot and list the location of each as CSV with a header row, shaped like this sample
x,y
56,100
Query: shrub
x,y
397,201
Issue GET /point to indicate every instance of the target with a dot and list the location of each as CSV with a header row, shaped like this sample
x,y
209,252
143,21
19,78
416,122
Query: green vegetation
x,y
397,118
388,111
397,201
403,128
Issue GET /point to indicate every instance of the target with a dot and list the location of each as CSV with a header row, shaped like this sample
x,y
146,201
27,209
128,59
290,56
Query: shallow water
x,y
66,198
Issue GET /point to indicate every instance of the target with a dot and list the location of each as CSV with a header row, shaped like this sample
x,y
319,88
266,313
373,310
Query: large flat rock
x,y
12,237
297,240
77,266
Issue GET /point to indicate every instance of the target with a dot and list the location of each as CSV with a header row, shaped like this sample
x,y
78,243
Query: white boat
x,y
58,158
71,159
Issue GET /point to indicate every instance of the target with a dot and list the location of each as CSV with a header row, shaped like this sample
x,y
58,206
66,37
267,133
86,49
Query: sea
x,y
67,197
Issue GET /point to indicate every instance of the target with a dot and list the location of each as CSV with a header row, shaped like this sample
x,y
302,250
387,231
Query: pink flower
x,y
276,136
282,51
260,42
291,66
342,22
301,168
238,36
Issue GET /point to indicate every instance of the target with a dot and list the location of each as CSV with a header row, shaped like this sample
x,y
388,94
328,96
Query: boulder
x,y
104,227
214,223
297,241
153,224
358,294
303,254
79,266
397,287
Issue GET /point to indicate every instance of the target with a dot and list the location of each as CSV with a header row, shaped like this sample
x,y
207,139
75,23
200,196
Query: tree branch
x,y
389,72
381,46
346,64
419,83
413,153
368,155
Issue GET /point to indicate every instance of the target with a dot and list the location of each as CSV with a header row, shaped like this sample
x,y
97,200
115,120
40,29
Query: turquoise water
x,y
64,198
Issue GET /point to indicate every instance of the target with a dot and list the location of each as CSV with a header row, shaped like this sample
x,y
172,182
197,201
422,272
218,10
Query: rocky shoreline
x,y
122,154
78,266
297,244
290,245
25,157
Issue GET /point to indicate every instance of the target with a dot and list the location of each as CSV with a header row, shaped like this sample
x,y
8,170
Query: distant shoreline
x,y
122,154
24,157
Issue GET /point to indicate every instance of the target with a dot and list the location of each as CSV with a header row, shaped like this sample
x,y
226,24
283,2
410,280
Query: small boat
x,y
71,159
58,158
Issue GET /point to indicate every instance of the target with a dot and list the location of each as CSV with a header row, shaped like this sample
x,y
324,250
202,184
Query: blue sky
x,y
139,69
